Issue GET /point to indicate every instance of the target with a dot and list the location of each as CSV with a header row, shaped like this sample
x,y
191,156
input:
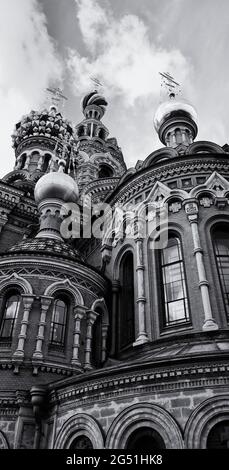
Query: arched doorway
x,y
218,437
81,442
145,439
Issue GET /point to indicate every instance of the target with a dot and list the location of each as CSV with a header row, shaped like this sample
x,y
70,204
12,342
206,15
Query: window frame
x,y
220,228
164,322
128,344
8,295
59,344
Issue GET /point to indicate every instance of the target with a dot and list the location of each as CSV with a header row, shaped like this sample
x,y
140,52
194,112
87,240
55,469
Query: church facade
x,y
114,286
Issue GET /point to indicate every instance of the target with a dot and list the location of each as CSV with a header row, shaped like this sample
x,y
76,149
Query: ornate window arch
x,y
203,419
15,281
146,416
78,426
65,286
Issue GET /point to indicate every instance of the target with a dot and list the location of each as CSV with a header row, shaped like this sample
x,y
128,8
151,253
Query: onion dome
x,y
176,122
56,185
46,123
94,102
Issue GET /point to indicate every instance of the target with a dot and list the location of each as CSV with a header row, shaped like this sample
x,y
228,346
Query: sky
x,y
125,44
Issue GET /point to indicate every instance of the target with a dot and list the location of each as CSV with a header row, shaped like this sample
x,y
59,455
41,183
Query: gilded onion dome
x,y
56,185
176,122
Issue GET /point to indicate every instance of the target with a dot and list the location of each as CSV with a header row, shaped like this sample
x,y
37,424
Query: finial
x,y
97,84
56,96
169,85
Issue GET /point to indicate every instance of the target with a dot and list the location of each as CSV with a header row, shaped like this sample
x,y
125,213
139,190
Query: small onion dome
x,y
173,109
94,100
56,185
49,123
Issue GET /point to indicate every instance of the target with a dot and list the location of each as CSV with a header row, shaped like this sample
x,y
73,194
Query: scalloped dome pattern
x,y
48,123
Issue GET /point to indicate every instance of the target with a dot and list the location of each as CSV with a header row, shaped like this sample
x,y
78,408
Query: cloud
x,y
121,54
28,63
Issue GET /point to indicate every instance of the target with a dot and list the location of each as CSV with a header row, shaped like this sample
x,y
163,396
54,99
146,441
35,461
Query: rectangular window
x,y
221,244
58,324
174,284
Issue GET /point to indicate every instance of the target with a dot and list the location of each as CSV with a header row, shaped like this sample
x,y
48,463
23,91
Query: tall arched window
x,y
46,162
174,290
221,246
58,322
126,309
11,305
22,161
105,171
96,345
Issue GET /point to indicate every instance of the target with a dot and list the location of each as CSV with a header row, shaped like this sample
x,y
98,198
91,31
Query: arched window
x,y
96,346
46,162
11,305
145,439
58,323
22,161
174,290
218,437
81,442
221,247
105,171
126,308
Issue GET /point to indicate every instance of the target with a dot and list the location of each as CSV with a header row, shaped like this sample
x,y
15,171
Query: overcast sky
x,y
125,43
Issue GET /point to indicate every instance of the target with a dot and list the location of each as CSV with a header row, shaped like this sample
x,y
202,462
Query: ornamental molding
x,y
153,381
145,180
13,279
86,281
65,285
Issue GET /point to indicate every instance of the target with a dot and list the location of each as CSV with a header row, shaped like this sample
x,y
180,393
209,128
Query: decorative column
x,y
40,162
45,304
27,162
115,311
91,317
79,312
140,268
104,342
27,302
191,210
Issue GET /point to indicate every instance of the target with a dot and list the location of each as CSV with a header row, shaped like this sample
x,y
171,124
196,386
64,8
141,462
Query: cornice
x,y
80,274
178,167
151,380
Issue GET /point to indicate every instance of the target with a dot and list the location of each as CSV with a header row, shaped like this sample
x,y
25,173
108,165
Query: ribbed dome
x,y
93,98
56,185
172,108
48,123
